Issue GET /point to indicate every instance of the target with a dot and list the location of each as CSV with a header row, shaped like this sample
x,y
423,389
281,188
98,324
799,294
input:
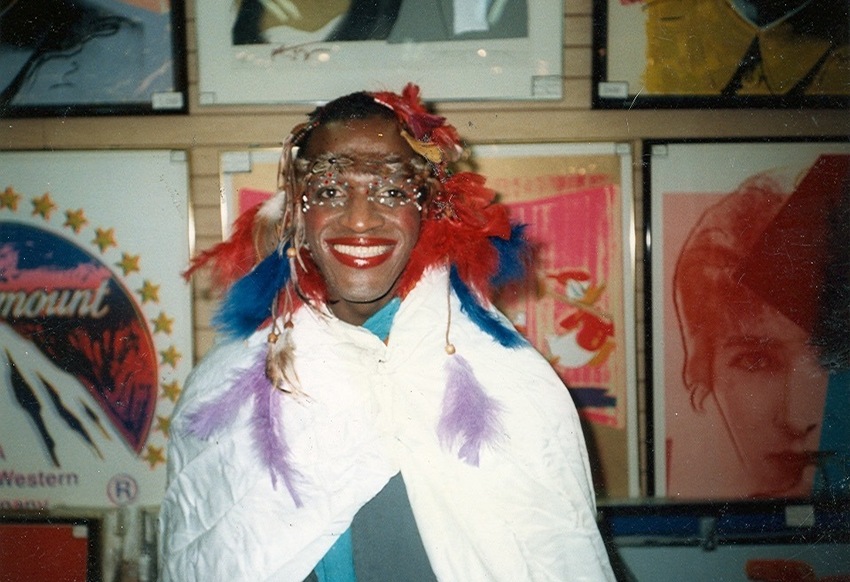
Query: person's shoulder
x,y
218,367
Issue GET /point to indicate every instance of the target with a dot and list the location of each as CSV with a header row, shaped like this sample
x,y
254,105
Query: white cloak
x,y
526,512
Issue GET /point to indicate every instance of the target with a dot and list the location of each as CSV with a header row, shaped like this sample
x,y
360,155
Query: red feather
x,y
458,230
233,258
420,123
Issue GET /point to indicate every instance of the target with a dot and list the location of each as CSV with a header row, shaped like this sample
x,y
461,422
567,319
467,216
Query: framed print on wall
x,y
721,53
577,309
252,52
93,57
583,319
749,317
95,324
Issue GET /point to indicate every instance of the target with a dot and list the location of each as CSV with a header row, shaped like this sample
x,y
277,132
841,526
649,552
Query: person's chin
x,y
786,474
359,290
368,285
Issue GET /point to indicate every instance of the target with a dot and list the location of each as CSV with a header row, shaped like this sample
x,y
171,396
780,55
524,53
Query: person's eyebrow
x,y
752,341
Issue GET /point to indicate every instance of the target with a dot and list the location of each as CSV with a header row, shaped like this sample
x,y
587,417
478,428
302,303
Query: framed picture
x,y
583,318
95,324
578,308
248,178
721,53
283,52
42,549
93,57
748,311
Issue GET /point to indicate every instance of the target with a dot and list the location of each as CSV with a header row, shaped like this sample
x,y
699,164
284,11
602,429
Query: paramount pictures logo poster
x,y
95,324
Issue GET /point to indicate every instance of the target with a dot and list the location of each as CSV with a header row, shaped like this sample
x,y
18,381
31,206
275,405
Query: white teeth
x,y
362,252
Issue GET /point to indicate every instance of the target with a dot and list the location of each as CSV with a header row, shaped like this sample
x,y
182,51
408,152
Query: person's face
x,y
771,391
361,190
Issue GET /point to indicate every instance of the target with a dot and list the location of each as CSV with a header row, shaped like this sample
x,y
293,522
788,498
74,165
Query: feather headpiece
x,y
463,227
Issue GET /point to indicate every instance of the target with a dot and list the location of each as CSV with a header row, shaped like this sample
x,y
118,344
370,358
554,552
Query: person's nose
x,y
803,408
360,214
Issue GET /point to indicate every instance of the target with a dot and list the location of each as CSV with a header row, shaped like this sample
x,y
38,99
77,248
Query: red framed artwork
x,y
49,549
747,353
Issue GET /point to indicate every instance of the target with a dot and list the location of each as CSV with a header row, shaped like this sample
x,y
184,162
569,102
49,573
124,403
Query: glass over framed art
x,y
95,324
92,57
748,303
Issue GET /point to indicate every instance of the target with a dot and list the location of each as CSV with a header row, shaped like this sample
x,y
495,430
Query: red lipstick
x,y
361,252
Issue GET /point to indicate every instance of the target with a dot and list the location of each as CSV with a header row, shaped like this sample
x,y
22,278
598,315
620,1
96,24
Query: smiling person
x,y
362,201
369,415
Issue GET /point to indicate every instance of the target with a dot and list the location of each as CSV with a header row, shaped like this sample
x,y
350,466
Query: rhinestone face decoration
x,y
331,181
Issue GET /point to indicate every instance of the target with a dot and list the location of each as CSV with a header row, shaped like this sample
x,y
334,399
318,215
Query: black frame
x,y
173,102
649,291
749,522
599,77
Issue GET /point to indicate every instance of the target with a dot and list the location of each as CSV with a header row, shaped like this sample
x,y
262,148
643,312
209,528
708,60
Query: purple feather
x,y
269,438
469,416
252,385
213,416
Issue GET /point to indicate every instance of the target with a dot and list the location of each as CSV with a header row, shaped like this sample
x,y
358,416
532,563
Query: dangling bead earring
x,y
274,334
450,347
280,367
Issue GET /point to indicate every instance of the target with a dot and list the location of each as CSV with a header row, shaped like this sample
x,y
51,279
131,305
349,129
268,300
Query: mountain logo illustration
x,y
78,313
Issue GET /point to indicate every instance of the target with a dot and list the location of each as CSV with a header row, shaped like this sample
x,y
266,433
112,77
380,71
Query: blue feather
x,y
248,302
514,254
487,321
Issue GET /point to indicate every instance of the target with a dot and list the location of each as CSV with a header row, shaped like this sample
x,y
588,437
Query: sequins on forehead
x,y
390,165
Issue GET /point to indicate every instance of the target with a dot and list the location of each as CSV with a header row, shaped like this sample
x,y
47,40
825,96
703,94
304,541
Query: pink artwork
x,y
250,197
570,316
